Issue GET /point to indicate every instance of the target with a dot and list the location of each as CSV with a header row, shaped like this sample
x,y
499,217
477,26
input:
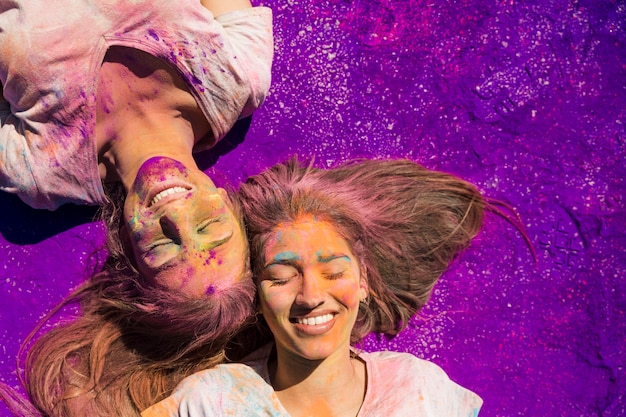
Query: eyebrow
x,y
216,243
290,258
329,258
283,258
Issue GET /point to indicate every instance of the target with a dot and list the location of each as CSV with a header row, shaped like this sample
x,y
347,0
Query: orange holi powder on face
x,y
310,289
183,231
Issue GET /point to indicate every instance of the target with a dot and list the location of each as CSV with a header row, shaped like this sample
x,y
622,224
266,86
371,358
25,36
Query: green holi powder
x,y
286,256
327,259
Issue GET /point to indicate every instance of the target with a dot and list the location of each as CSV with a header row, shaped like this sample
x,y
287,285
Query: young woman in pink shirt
x,y
104,103
118,95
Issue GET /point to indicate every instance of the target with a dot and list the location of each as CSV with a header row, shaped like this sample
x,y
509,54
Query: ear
x,y
364,289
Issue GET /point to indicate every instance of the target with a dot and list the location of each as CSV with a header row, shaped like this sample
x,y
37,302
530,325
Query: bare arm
x,y
218,7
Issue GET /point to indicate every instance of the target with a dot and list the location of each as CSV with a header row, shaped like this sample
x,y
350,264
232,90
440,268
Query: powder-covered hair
x,y
404,222
130,344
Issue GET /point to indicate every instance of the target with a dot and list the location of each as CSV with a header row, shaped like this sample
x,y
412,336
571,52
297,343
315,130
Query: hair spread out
x,y
405,223
130,344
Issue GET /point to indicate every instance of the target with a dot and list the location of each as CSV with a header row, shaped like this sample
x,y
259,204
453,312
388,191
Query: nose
x,y
174,222
311,292
180,224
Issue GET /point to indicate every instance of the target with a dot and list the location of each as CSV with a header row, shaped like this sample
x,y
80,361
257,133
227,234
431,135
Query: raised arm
x,y
218,7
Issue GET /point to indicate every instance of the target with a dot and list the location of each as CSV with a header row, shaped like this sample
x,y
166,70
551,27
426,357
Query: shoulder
x,y
221,378
399,359
405,367
258,15
411,383
224,389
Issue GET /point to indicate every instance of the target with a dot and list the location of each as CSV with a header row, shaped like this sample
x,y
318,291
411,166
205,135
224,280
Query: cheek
x,y
347,293
139,228
199,261
275,302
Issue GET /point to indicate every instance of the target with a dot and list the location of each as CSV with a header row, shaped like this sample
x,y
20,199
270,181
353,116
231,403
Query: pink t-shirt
x,y
50,56
398,385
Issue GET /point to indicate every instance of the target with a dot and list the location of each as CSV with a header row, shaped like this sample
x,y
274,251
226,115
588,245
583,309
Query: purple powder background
x,y
525,99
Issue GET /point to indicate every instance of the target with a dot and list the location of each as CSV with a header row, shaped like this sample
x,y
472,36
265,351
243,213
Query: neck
x,y
143,109
125,154
333,387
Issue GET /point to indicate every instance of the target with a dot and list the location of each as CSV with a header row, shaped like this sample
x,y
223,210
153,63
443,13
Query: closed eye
x,y
155,247
204,226
277,282
333,276
281,278
279,274
157,243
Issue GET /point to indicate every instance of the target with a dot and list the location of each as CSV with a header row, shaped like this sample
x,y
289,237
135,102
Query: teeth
x,y
167,192
315,321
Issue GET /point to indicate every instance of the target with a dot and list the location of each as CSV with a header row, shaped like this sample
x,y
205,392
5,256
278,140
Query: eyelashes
x,y
155,246
334,276
283,280
205,225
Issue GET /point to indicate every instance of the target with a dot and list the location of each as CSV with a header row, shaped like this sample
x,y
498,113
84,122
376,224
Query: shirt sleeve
x,y
401,385
232,390
444,396
198,395
250,34
16,175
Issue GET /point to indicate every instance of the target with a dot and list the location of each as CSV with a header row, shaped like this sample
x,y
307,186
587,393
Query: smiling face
x,y
184,234
310,288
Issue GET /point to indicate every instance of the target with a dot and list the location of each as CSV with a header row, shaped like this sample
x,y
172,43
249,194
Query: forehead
x,y
306,235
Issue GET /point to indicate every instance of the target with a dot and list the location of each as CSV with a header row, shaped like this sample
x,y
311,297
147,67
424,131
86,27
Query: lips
x,y
158,175
314,321
314,325
168,192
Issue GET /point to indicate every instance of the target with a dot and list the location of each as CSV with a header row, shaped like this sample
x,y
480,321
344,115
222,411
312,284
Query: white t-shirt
x,y
398,385
50,56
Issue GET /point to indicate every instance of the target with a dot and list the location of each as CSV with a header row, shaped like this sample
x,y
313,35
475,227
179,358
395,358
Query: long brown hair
x,y
404,222
130,344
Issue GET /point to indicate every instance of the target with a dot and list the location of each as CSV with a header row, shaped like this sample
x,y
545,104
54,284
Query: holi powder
x,y
187,276
523,99
286,256
195,80
211,257
153,34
